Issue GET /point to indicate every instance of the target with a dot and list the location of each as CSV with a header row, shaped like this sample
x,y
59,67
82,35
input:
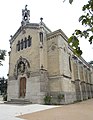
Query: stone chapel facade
x,y
42,63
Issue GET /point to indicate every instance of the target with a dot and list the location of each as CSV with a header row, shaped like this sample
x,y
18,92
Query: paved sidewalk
x,y
1,99
10,111
78,111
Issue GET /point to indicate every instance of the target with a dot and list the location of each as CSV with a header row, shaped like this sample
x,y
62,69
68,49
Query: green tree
x,y
91,63
87,20
2,56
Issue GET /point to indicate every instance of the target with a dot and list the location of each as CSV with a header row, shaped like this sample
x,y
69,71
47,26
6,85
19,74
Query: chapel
x,y
43,67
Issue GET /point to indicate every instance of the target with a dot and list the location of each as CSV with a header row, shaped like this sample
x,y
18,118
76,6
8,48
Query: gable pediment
x,y
23,30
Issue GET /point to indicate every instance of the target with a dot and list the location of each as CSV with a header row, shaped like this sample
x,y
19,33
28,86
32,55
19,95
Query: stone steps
x,y
18,101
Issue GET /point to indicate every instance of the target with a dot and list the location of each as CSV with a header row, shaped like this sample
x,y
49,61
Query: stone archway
x,y
22,67
22,87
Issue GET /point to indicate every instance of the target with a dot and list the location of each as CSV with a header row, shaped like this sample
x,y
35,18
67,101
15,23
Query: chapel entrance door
x,y
22,90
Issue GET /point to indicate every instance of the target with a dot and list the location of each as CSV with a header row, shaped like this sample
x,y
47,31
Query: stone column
x,y
77,79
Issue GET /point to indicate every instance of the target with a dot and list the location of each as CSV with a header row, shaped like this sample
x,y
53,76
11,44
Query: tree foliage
x,y
70,1
2,56
91,62
86,20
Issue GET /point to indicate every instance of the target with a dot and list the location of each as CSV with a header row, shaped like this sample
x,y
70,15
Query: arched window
x,y
70,64
29,41
18,46
41,37
25,42
21,44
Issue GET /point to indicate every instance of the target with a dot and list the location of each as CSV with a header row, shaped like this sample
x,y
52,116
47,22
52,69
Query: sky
x,y
56,15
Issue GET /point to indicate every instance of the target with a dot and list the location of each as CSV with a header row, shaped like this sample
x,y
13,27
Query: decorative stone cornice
x,y
56,33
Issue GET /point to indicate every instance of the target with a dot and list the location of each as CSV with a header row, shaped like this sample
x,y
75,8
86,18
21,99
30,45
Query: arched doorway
x,y
22,89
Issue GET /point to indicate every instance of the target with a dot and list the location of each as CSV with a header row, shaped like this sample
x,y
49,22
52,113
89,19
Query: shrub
x,y
47,99
60,97
5,97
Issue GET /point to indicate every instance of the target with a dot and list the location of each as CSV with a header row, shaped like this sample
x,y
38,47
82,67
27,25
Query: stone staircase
x,y
18,101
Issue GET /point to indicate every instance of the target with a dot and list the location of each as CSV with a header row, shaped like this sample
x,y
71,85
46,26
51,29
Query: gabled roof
x,y
28,25
21,28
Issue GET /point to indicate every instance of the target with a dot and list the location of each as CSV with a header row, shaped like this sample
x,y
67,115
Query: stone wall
x,y
30,53
53,69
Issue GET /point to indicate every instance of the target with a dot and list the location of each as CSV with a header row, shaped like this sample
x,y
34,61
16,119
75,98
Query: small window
x,y
41,37
25,43
70,64
18,46
21,44
29,41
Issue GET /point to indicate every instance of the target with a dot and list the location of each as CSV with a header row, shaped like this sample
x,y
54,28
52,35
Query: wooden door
x,y
22,92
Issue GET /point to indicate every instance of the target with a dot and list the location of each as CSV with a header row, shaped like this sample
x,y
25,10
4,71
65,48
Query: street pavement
x,y
10,111
78,111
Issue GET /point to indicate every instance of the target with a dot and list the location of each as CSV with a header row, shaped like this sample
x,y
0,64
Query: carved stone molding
x,y
22,67
52,47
